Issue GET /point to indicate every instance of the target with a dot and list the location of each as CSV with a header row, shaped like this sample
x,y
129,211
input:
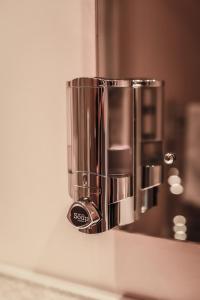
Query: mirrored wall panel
x,y
161,39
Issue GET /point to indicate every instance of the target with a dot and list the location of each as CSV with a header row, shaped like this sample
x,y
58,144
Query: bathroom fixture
x,y
115,150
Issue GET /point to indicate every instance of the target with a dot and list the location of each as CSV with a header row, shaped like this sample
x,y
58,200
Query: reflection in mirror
x,y
160,39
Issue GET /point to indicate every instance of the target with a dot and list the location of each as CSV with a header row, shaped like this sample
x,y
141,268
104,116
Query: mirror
x,y
160,39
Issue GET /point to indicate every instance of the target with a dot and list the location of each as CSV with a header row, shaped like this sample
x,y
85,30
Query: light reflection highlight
x,y
179,220
173,179
173,171
176,189
180,228
181,236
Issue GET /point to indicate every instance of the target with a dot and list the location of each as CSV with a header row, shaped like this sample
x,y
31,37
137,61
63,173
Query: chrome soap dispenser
x,y
114,150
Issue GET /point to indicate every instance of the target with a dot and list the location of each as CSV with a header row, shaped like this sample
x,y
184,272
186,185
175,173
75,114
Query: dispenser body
x,y
114,150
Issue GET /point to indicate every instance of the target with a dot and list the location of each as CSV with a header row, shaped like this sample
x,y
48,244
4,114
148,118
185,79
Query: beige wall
x,y
43,44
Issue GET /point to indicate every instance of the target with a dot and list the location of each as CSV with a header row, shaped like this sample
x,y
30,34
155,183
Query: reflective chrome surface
x,y
161,39
151,176
114,150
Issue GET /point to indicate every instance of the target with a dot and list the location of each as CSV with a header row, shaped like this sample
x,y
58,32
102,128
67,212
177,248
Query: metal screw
x,y
169,158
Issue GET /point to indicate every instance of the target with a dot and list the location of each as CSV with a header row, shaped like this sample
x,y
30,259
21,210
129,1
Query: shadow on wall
x,y
129,296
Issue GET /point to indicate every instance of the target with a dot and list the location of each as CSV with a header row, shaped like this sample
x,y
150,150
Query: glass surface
x,y
159,46
120,130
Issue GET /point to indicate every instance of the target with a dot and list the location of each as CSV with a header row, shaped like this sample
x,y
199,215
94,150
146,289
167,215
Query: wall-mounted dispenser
x,y
114,150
